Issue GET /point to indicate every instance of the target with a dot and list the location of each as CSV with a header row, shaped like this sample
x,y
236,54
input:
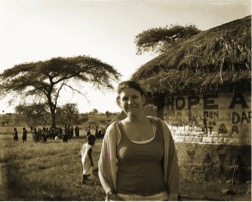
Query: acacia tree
x,y
44,80
160,39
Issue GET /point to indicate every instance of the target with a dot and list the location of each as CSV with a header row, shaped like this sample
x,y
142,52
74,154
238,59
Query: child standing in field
x,y
86,158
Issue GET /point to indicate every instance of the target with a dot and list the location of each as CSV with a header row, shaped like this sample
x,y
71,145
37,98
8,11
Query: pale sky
x,y
37,30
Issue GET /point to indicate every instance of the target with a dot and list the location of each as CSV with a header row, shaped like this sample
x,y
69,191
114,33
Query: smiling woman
x,y
138,160
131,98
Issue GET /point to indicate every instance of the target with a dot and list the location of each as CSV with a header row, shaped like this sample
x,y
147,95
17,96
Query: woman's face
x,y
131,101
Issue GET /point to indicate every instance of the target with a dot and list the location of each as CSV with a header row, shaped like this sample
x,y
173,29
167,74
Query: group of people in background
x,y
65,133
42,134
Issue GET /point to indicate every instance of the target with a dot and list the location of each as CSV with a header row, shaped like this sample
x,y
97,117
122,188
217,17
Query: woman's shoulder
x,y
112,129
112,126
113,132
160,123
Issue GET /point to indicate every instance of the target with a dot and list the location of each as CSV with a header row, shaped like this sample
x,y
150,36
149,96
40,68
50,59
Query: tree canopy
x,y
159,39
44,80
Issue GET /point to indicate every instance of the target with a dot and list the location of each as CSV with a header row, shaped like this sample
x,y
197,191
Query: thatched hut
x,y
218,59
202,88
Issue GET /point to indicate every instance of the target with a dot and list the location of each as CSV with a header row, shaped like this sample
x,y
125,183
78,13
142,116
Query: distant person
x,y
86,158
138,160
58,132
39,134
15,136
101,133
77,131
65,136
45,134
34,135
88,131
71,132
33,132
24,136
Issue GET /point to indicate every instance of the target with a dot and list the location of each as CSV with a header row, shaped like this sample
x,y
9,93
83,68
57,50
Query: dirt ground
x,y
215,192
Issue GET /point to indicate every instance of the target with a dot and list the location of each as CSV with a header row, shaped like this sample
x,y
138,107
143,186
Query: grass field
x,y
45,171
52,171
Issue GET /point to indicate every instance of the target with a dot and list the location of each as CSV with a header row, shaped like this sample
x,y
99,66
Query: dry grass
x,y
53,172
45,171
218,59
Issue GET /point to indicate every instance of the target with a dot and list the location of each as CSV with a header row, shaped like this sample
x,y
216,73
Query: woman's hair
x,y
129,84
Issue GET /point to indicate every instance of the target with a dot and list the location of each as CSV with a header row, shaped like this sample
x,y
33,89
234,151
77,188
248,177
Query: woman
x,y
138,160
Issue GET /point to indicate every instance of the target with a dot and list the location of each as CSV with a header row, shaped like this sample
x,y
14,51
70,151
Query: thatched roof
x,y
216,60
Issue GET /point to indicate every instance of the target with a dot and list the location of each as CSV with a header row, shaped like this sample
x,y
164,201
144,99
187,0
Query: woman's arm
x,y
171,168
107,161
174,173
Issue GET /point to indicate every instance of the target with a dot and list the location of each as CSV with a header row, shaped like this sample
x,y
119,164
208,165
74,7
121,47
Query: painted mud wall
x,y
212,134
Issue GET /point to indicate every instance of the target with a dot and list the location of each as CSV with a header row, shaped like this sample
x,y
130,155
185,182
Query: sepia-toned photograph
x,y
125,100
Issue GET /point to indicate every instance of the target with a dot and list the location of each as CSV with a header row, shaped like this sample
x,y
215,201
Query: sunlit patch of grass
x,y
46,171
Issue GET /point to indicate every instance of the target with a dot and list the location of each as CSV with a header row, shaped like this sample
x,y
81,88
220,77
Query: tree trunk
x,y
160,106
53,114
53,121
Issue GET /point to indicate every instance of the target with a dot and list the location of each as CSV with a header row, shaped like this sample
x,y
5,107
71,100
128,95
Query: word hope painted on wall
x,y
220,113
209,102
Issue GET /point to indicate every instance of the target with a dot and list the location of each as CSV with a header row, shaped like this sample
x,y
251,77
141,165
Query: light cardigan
x,y
108,161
